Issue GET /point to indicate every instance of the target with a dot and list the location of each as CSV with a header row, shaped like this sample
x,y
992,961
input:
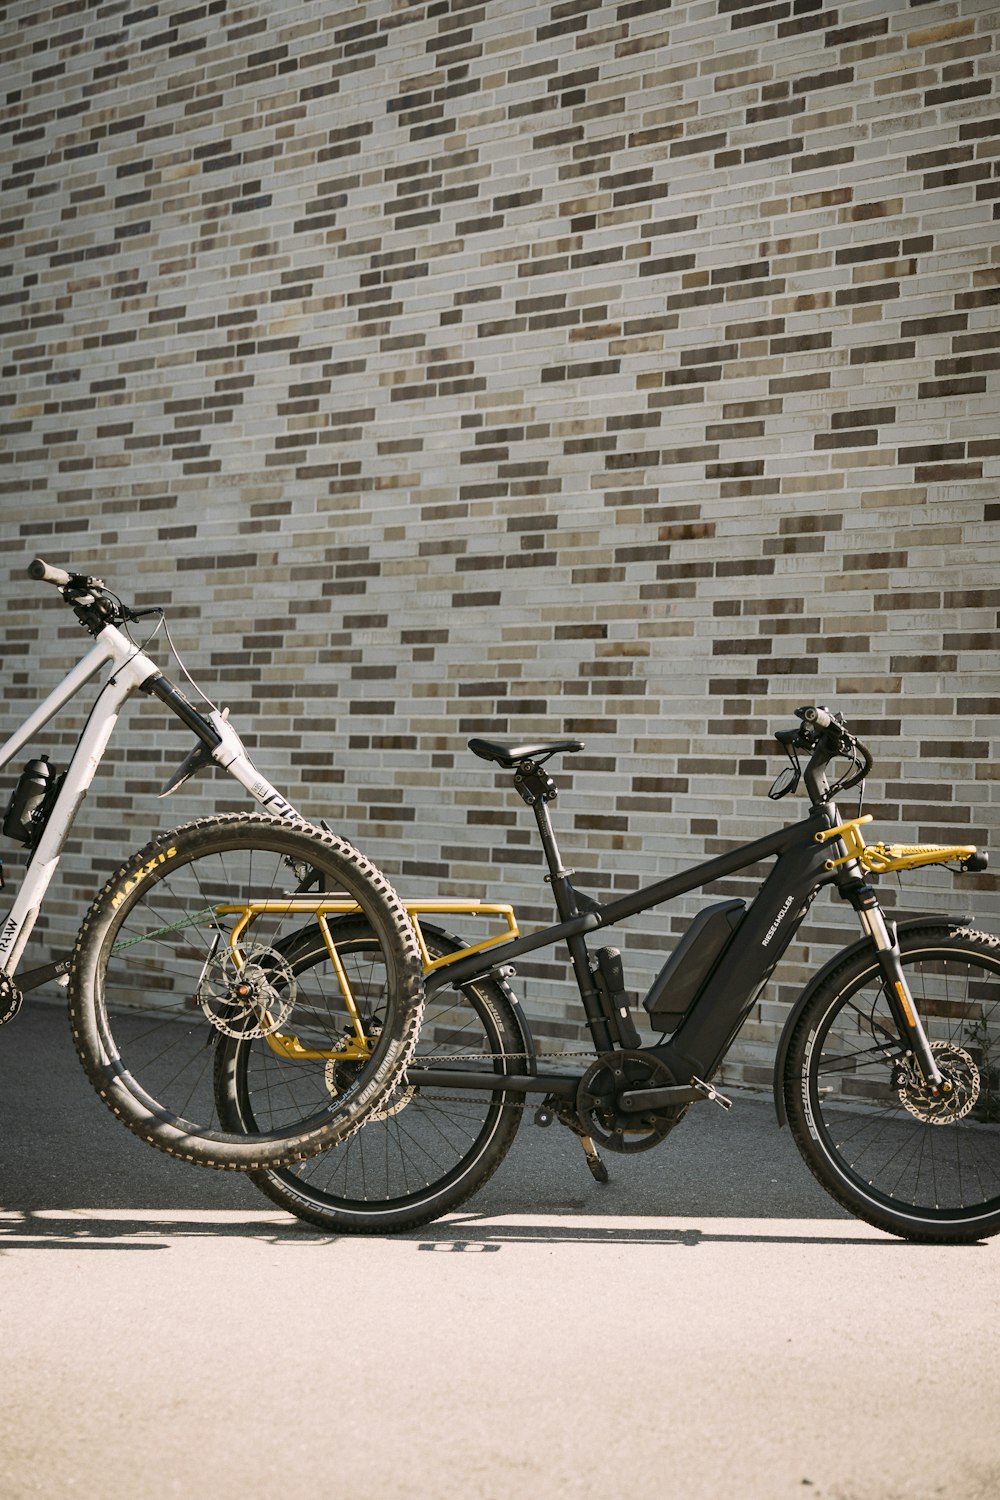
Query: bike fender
x,y
863,945
527,1041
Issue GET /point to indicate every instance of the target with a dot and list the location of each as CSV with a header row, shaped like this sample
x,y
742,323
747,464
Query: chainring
x,y
11,999
959,1070
600,1088
249,1001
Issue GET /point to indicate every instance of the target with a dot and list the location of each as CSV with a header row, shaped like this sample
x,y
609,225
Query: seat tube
x,y
78,776
560,880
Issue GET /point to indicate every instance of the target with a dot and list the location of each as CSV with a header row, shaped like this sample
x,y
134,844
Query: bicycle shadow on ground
x,y
470,1235
93,1229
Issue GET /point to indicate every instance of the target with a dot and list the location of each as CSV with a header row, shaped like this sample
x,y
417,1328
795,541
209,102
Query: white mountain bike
x,y
187,944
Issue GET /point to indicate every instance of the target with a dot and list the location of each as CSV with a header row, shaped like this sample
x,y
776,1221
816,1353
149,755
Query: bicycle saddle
x,y
510,753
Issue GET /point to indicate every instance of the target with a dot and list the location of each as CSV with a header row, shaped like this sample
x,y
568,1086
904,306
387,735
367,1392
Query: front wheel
x,y
425,1150
923,1167
186,950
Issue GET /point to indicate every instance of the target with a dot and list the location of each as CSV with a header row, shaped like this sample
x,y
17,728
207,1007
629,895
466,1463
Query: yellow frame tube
x,y
317,907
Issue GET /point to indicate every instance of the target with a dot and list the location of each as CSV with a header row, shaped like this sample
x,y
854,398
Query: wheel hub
x,y
249,1001
340,1073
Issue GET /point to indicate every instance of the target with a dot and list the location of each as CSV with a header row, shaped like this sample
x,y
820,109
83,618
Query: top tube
x,y
597,916
102,652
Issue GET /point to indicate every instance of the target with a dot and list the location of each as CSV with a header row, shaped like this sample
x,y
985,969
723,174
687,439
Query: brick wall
x,y
621,369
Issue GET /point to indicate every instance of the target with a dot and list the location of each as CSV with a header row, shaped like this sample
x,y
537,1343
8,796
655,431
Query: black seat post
x,y
536,787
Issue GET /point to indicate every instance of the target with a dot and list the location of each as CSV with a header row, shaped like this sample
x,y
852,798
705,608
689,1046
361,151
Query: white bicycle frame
x,y
132,671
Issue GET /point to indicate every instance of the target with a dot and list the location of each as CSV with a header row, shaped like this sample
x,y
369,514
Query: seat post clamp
x,y
534,784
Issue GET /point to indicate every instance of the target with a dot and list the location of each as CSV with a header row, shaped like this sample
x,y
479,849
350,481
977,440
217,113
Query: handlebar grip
x,y
821,717
44,572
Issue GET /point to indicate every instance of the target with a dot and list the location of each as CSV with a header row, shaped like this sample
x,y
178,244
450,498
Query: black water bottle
x,y
28,796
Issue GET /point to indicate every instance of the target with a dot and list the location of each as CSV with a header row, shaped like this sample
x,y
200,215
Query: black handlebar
x,y
823,734
43,572
826,737
93,603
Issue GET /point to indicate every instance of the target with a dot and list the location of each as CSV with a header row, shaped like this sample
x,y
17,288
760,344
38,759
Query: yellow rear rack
x,y
358,1046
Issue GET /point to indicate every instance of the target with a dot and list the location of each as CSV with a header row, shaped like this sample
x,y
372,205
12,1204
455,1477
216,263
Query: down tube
x,y
79,774
704,1037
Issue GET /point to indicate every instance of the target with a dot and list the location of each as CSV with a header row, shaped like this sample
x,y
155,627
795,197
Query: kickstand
x,y
598,1170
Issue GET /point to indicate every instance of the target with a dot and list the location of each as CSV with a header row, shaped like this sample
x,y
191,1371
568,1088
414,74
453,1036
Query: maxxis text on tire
x,y
152,988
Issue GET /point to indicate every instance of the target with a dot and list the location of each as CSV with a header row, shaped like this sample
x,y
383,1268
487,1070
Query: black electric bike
x,y
888,1069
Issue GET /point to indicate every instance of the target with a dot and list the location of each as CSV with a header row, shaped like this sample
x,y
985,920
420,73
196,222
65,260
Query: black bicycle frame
x,y
703,1037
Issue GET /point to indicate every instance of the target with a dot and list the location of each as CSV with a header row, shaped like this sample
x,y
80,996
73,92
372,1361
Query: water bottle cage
x,y
28,812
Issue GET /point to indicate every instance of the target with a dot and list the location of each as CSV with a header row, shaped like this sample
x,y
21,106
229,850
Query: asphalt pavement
x,y
706,1324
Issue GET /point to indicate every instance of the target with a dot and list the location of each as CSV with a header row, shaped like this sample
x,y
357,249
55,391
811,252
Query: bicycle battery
x,y
683,976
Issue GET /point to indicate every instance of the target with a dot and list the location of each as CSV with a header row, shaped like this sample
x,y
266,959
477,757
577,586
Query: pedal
x,y
711,1093
598,1170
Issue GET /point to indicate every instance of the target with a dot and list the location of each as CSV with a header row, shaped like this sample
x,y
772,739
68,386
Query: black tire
x,y
153,986
421,1154
916,1167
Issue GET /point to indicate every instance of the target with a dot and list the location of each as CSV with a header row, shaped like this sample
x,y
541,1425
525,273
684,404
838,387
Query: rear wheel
x,y
920,1166
167,971
423,1151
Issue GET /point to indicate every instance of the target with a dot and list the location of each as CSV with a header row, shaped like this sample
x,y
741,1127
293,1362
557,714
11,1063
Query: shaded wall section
x,y
626,370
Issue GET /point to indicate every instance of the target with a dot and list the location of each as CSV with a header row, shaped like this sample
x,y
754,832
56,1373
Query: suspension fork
x,y
897,992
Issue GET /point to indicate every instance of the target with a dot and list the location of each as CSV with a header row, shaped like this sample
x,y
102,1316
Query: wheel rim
x,y
165,952
419,1144
867,1112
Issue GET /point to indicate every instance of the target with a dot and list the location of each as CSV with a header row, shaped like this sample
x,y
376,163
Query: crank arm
x,y
35,977
634,1100
678,1093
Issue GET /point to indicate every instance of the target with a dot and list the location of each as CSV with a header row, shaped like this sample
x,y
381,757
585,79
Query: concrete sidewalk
x,y
708,1323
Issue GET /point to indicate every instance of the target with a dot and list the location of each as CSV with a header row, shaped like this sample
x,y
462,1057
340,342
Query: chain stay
x,y
457,1057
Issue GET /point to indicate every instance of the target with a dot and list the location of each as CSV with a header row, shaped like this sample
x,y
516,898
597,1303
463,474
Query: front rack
x,y
882,859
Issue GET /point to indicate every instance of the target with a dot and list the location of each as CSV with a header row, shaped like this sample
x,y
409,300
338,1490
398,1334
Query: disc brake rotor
x,y
959,1071
340,1074
251,1000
